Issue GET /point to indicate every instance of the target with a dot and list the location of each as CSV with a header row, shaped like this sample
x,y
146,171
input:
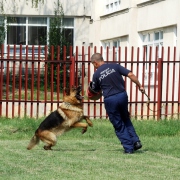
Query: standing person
x,y
108,79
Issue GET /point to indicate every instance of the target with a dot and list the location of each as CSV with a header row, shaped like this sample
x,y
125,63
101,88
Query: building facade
x,y
124,23
135,23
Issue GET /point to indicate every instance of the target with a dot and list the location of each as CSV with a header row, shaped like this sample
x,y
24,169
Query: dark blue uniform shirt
x,y
108,78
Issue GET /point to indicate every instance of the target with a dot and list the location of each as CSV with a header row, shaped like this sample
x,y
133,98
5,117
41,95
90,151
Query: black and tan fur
x,y
69,115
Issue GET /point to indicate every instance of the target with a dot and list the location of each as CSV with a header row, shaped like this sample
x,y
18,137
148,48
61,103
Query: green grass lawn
x,y
95,155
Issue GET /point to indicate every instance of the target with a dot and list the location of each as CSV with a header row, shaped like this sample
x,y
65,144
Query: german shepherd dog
x,y
69,115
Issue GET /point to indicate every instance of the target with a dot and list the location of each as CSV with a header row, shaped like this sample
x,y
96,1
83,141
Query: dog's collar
x,y
67,105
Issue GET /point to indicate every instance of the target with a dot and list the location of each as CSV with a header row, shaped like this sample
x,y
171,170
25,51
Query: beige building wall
x,y
135,17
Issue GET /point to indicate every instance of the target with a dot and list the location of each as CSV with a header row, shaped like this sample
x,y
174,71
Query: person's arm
x,y
136,81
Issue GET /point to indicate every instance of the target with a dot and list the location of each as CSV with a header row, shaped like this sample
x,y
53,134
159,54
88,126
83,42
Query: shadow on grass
x,y
115,150
73,149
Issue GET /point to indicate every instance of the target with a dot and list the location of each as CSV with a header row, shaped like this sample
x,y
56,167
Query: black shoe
x,y
137,145
128,152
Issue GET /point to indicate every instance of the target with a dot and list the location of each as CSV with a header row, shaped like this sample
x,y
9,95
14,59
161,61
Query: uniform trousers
x,y
117,109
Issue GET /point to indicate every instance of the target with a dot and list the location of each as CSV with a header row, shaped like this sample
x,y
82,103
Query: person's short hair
x,y
96,57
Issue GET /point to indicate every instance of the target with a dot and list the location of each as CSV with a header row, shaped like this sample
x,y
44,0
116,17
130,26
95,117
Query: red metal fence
x,y
32,80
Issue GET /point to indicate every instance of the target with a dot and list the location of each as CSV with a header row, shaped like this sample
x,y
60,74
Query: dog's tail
x,y
34,141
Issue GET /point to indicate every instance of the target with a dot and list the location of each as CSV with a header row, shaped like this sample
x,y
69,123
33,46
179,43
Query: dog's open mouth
x,y
78,95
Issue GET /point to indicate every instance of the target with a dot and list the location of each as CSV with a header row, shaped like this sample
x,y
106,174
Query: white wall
x,y
135,17
71,8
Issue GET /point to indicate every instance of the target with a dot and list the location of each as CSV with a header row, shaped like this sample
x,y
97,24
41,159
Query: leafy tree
x,y
2,30
57,34
58,37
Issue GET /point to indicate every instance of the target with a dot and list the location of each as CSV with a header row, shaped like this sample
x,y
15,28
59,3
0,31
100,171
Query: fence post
x,y
72,71
1,76
160,67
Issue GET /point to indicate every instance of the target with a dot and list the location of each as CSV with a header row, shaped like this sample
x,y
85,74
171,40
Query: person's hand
x,y
142,89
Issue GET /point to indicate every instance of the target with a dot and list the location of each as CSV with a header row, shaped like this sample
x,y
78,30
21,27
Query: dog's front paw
x,y
89,122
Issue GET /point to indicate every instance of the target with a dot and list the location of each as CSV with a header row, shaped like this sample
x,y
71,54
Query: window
x,y
69,34
37,35
158,36
116,44
68,25
110,44
34,31
1,20
105,44
26,31
151,40
112,6
107,8
116,4
37,31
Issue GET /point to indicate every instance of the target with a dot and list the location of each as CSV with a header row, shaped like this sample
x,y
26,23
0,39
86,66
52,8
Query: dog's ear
x,y
67,90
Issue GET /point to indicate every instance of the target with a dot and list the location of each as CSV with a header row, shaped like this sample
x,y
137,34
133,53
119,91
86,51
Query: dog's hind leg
x,y
49,138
